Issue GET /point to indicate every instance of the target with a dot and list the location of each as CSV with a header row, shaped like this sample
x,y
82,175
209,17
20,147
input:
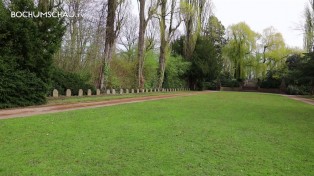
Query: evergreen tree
x,y
27,46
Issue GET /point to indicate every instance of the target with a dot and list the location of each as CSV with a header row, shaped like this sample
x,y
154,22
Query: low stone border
x,y
230,88
55,92
240,89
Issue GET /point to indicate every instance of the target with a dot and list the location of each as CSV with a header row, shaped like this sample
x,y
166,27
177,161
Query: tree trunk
x,y
188,42
163,44
162,66
109,43
141,45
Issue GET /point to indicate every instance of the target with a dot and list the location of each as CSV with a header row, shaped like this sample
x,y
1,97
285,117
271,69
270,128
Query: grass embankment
x,y
225,133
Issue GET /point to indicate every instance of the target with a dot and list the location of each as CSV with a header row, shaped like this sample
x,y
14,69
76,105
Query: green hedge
x,y
271,83
213,85
230,83
298,90
21,88
62,80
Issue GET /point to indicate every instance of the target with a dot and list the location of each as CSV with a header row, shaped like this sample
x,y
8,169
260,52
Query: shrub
x,y
62,80
230,83
123,73
271,83
150,69
273,79
226,80
210,85
298,90
175,70
21,88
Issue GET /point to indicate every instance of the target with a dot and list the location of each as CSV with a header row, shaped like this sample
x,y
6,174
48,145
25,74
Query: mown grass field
x,y
223,133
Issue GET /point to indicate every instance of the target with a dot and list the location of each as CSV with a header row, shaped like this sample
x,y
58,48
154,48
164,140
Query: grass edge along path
x,y
304,99
80,103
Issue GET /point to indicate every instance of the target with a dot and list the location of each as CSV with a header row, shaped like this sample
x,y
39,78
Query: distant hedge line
x,y
62,80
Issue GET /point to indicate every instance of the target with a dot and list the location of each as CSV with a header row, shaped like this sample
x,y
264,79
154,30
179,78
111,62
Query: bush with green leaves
x,y
175,70
26,46
21,88
122,73
206,58
271,83
150,69
62,80
273,79
213,85
301,70
230,83
298,90
227,80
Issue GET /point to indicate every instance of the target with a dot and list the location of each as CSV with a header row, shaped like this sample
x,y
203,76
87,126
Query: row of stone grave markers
x,y
68,92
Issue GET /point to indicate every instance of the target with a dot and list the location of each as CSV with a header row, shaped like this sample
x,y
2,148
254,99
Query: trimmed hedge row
x,y
271,83
62,81
298,90
21,88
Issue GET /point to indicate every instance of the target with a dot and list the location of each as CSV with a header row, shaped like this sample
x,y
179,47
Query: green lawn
x,y
224,133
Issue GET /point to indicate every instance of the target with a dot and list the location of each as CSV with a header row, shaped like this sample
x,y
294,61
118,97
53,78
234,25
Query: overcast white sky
x,y
284,15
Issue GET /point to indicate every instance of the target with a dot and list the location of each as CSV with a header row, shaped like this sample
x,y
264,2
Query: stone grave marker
x,y
80,93
55,93
89,92
68,93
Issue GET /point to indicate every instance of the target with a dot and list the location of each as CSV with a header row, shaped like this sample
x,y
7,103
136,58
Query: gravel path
x,y
35,110
305,100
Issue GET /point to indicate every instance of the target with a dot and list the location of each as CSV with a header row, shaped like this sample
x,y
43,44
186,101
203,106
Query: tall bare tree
x,y
115,19
166,35
73,54
109,43
309,27
76,36
141,36
128,37
96,48
195,14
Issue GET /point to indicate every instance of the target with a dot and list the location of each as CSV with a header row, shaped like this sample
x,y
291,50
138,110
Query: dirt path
x,y
305,100
30,111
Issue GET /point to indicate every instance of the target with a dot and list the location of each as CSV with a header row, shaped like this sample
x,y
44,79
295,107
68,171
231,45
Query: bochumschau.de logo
x,y
30,14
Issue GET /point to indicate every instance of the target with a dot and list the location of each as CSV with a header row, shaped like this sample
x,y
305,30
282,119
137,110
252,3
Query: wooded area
x,y
162,44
